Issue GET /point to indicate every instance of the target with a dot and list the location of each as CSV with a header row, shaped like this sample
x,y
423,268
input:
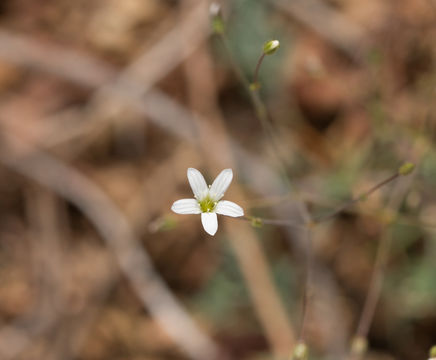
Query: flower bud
x,y
406,168
255,86
301,352
256,222
271,47
216,18
359,345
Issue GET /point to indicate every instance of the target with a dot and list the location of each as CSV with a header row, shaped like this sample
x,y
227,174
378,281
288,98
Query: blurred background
x,y
104,104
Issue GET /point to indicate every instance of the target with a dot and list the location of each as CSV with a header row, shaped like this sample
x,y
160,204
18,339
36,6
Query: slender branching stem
x,y
378,274
382,254
258,104
263,116
257,221
351,202
359,344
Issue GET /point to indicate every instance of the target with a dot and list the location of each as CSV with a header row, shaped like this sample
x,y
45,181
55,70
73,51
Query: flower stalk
x,y
403,170
269,48
255,85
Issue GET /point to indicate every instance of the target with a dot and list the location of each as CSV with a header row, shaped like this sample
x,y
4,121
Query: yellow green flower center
x,y
207,204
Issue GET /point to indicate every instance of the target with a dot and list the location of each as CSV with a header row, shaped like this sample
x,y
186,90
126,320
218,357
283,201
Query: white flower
x,y
207,200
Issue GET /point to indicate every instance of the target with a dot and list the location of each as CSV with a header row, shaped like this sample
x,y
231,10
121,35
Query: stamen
x,y
207,204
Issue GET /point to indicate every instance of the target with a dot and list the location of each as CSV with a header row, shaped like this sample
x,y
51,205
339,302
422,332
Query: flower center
x,y
207,204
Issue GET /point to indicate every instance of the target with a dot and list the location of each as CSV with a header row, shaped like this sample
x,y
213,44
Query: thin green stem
x,y
264,119
263,116
259,106
351,202
256,71
345,206
258,222
378,274
375,288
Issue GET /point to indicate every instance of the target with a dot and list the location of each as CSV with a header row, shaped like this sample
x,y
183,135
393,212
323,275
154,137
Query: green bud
x,y
256,222
255,86
217,18
301,352
406,168
433,351
218,25
359,345
271,47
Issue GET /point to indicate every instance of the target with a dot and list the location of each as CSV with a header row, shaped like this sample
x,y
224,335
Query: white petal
x,y
186,206
229,208
221,183
197,182
210,222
